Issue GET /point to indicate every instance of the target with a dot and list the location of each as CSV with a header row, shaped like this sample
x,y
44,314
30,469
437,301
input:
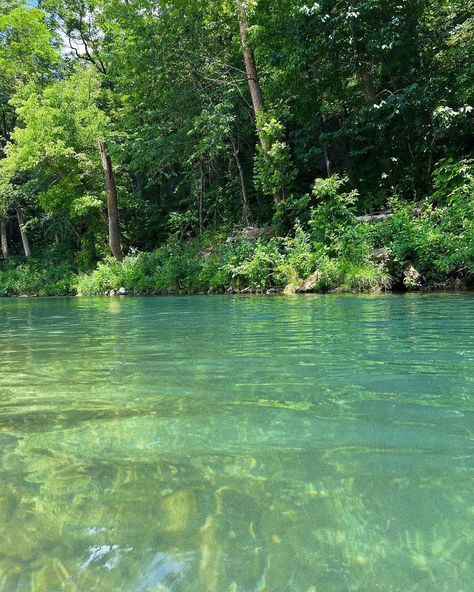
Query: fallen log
x,y
375,217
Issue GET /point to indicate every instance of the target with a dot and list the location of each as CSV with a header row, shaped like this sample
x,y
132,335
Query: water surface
x,y
217,444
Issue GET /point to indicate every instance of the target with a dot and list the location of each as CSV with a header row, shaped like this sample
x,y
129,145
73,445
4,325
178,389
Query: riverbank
x,y
423,246
240,264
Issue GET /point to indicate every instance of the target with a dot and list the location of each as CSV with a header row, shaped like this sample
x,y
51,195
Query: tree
x,y
28,55
267,141
51,161
112,204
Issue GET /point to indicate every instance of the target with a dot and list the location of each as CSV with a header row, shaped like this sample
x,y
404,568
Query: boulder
x,y
122,291
309,284
251,233
381,255
411,276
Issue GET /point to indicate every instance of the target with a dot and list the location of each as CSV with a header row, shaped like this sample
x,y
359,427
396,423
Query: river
x,y
237,444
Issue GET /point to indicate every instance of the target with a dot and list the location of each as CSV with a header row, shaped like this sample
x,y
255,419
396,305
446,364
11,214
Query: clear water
x,y
320,444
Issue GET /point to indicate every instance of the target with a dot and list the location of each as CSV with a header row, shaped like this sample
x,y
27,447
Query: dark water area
x,y
220,444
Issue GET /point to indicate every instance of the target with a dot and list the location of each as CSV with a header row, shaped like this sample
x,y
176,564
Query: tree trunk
x,y
253,79
243,186
250,67
24,236
112,205
379,217
200,201
366,80
4,241
327,161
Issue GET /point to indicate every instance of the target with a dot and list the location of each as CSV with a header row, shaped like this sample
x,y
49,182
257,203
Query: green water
x,y
217,444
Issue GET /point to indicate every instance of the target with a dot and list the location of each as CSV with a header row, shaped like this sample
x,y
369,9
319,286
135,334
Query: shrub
x,y
299,258
345,276
435,235
20,277
333,221
259,271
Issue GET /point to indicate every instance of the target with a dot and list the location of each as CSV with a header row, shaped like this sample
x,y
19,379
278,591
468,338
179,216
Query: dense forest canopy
x,y
287,114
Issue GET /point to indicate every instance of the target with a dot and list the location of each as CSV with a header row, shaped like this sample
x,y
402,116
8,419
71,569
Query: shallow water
x,y
218,444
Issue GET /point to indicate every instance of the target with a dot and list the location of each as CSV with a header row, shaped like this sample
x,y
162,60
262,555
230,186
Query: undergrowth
x,y
328,245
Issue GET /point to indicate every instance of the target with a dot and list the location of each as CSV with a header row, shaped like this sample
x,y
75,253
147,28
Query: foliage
x,y
342,275
333,221
436,235
273,167
36,277
453,181
211,266
28,48
300,259
373,99
55,141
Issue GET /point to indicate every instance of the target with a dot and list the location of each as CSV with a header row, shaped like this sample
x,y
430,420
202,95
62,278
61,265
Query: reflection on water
x,y
319,444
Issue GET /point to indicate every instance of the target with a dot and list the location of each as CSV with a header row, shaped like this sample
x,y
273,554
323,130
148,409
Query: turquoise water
x,y
218,444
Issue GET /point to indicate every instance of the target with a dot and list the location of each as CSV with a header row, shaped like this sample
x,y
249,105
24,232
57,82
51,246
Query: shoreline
x,y
248,269
244,294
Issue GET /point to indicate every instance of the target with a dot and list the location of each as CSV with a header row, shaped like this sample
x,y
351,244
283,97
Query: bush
x,y
20,277
333,222
259,271
438,245
299,259
342,275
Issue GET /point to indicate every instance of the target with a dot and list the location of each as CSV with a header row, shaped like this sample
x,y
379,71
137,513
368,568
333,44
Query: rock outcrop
x,y
411,276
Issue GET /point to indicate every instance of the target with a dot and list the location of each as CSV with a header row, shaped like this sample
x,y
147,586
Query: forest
x,y
211,146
